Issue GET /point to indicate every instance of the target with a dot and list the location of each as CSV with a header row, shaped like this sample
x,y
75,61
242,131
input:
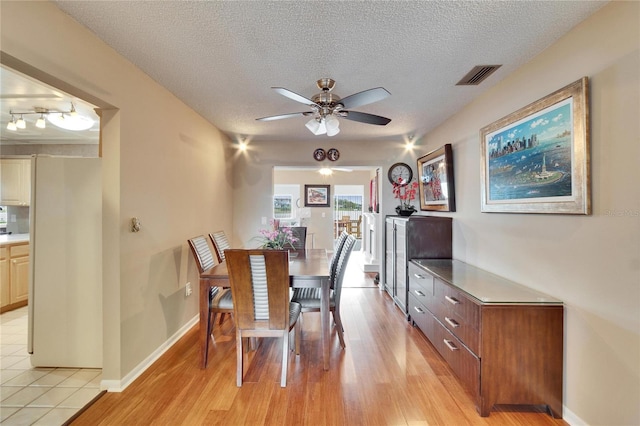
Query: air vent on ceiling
x,y
477,75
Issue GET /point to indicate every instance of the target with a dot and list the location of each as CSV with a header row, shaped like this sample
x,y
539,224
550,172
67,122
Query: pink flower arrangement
x,y
405,193
276,238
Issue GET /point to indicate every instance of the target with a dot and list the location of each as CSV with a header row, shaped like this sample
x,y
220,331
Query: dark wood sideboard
x,y
504,341
412,237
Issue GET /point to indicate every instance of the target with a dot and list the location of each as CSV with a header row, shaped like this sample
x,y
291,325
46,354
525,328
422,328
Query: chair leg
x,y
338,321
285,358
221,318
298,335
206,345
239,358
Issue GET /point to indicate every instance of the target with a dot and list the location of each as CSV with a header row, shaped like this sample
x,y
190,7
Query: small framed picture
x,y
435,174
316,195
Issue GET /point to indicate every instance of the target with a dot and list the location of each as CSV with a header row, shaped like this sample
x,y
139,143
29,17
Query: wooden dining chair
x,y
220,243
309,298
260,286
220,299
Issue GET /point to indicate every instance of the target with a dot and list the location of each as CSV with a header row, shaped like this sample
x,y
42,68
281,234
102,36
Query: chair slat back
x,y
345,253
260,287
336,256
221,243
201,253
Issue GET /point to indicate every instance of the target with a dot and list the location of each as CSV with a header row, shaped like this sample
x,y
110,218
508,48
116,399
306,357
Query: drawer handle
x,y
452,300
450,345
418,310
453,323
418,292
418,276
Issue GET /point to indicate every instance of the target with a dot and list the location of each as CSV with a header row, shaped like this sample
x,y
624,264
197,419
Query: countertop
x,y
482,285
8,240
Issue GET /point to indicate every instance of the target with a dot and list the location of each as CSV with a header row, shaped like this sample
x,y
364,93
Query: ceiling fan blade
x,y
341,169
281,116
365,97
363,117
292,95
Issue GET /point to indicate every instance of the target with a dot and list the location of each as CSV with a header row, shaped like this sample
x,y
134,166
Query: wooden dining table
x,y
307,268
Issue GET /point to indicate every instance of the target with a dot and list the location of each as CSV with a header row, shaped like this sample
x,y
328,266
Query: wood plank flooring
x,y
389,374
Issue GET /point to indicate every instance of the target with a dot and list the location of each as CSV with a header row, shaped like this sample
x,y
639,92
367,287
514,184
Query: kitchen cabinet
x,y
504,341
5,283
412,237
14,271
15,182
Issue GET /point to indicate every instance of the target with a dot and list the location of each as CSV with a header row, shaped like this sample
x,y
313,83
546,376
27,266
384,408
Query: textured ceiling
x,y
222,57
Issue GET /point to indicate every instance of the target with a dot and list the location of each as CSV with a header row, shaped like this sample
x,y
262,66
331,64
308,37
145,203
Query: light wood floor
x,y
389,374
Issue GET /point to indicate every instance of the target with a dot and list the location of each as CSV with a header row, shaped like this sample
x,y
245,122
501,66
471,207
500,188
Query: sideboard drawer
x,y
421,286
459,314
464,363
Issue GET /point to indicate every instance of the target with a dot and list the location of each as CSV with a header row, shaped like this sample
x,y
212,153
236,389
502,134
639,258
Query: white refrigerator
x,y
65,283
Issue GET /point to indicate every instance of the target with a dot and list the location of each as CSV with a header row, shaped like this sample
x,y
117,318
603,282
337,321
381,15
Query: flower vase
x,y
405,211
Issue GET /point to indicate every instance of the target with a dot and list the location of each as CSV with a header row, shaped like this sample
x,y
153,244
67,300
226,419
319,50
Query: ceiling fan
x,y
326,107
326,171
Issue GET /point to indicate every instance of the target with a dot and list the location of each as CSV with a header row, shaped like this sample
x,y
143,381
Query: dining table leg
x,y
324,318
204,317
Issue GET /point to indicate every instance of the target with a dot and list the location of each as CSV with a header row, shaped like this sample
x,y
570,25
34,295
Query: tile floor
x,y
38,396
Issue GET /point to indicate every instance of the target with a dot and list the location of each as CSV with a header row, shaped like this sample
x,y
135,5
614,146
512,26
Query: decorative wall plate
x,y
333,154
319,154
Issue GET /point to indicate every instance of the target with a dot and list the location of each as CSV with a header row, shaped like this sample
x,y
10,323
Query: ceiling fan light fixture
x,y
317,127
333,125
325,171
327,107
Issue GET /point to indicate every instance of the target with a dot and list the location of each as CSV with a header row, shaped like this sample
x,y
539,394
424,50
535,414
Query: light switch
x,y
264,220
323,214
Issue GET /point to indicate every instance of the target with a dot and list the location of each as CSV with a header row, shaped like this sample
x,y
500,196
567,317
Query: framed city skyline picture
x,y
536,160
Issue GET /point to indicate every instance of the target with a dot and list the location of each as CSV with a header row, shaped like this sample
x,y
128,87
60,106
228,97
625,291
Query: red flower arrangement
x,y
405,193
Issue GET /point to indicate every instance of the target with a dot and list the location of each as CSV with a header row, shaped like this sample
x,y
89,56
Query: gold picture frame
x,y
435,177
536,159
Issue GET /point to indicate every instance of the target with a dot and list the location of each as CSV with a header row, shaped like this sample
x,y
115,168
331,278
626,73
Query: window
x,y
347,205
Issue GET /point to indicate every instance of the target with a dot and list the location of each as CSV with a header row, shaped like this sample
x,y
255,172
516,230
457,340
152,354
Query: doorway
x,y
348,201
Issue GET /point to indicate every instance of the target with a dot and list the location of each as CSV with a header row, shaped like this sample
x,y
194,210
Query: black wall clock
x,y
319,154
400,171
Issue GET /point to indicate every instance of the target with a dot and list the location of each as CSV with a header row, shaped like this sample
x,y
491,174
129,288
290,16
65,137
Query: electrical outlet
x,y
187,289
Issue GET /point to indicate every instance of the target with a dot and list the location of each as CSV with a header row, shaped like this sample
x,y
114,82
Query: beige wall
x,y
162,163
592,263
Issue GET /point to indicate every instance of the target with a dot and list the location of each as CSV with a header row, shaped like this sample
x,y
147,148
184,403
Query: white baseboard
x,y
571,418
120,385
